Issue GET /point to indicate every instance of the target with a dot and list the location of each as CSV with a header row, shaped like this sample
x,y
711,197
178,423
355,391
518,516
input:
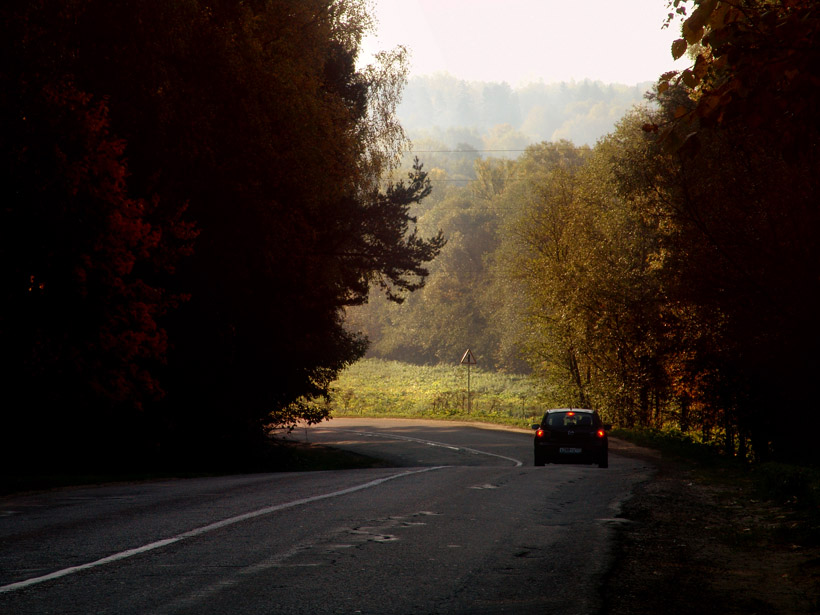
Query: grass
x,y
796,485
672,443
374,387
793,485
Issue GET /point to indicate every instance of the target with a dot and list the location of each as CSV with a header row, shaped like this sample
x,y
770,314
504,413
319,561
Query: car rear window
x,y
569,419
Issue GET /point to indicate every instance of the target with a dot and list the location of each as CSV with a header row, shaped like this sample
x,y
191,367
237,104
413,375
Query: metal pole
x,y
468,388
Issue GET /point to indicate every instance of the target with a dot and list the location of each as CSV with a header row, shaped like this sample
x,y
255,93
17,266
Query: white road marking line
x,y
204,530
452,447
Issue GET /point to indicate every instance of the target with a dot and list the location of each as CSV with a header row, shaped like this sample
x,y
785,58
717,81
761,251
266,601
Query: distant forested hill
x,y
497,116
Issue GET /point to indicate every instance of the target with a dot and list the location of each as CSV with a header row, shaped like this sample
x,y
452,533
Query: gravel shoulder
x,y
701,540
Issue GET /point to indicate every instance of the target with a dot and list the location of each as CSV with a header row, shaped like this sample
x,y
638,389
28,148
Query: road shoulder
x,y
705,544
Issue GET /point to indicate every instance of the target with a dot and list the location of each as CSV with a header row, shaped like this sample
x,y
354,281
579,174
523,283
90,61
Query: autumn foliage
x,y
688,294
80,319
745,218
755,62
719,194
191,195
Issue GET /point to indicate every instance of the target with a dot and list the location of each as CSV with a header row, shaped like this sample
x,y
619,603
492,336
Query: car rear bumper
x,y
569,453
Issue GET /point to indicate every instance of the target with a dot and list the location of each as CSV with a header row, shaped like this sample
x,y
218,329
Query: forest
x,y
207,216
496,116
191,195
669,275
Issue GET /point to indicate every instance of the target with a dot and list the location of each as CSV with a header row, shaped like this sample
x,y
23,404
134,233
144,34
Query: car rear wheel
x,y
539,460
603,461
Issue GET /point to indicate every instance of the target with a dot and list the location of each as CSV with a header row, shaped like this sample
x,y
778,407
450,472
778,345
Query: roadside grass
x,y
780,502
798,485
672,443
378,388
781,481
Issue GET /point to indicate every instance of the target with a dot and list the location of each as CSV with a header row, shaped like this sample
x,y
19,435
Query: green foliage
x,y
457,308
672,443
374,387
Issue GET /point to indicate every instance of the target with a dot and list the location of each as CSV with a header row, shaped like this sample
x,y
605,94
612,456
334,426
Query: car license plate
x,y
570,451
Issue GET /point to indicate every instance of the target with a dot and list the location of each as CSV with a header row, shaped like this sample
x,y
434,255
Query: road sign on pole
x,y
468,359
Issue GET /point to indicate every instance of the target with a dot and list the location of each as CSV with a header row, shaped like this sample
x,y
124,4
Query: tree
x,y
433,326
543,245
80,323
742,213
756,62
253,114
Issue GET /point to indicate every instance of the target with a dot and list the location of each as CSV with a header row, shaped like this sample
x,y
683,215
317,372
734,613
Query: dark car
x,y
569,435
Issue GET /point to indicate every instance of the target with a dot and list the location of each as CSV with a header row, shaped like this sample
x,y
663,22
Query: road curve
x,y
462,524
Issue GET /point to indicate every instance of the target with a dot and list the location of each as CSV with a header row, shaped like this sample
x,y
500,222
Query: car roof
x,y
571,410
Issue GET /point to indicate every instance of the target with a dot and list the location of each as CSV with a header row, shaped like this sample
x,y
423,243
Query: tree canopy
x,y
191,197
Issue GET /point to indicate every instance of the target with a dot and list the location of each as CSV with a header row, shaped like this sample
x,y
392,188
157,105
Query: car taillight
x,y
601,433
539,433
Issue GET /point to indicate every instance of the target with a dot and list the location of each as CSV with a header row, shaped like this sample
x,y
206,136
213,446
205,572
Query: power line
x,y
461,151
479,151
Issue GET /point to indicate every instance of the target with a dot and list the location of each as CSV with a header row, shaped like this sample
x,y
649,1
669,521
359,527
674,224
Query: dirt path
x,y
701,543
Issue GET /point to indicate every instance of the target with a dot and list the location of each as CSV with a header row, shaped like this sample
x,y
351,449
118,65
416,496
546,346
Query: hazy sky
x,y
614,41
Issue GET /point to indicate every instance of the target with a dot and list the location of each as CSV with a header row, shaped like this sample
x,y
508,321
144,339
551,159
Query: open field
x,y
374,387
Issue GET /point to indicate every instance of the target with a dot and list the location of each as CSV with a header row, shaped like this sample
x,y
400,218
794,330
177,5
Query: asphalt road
x,y
463,524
